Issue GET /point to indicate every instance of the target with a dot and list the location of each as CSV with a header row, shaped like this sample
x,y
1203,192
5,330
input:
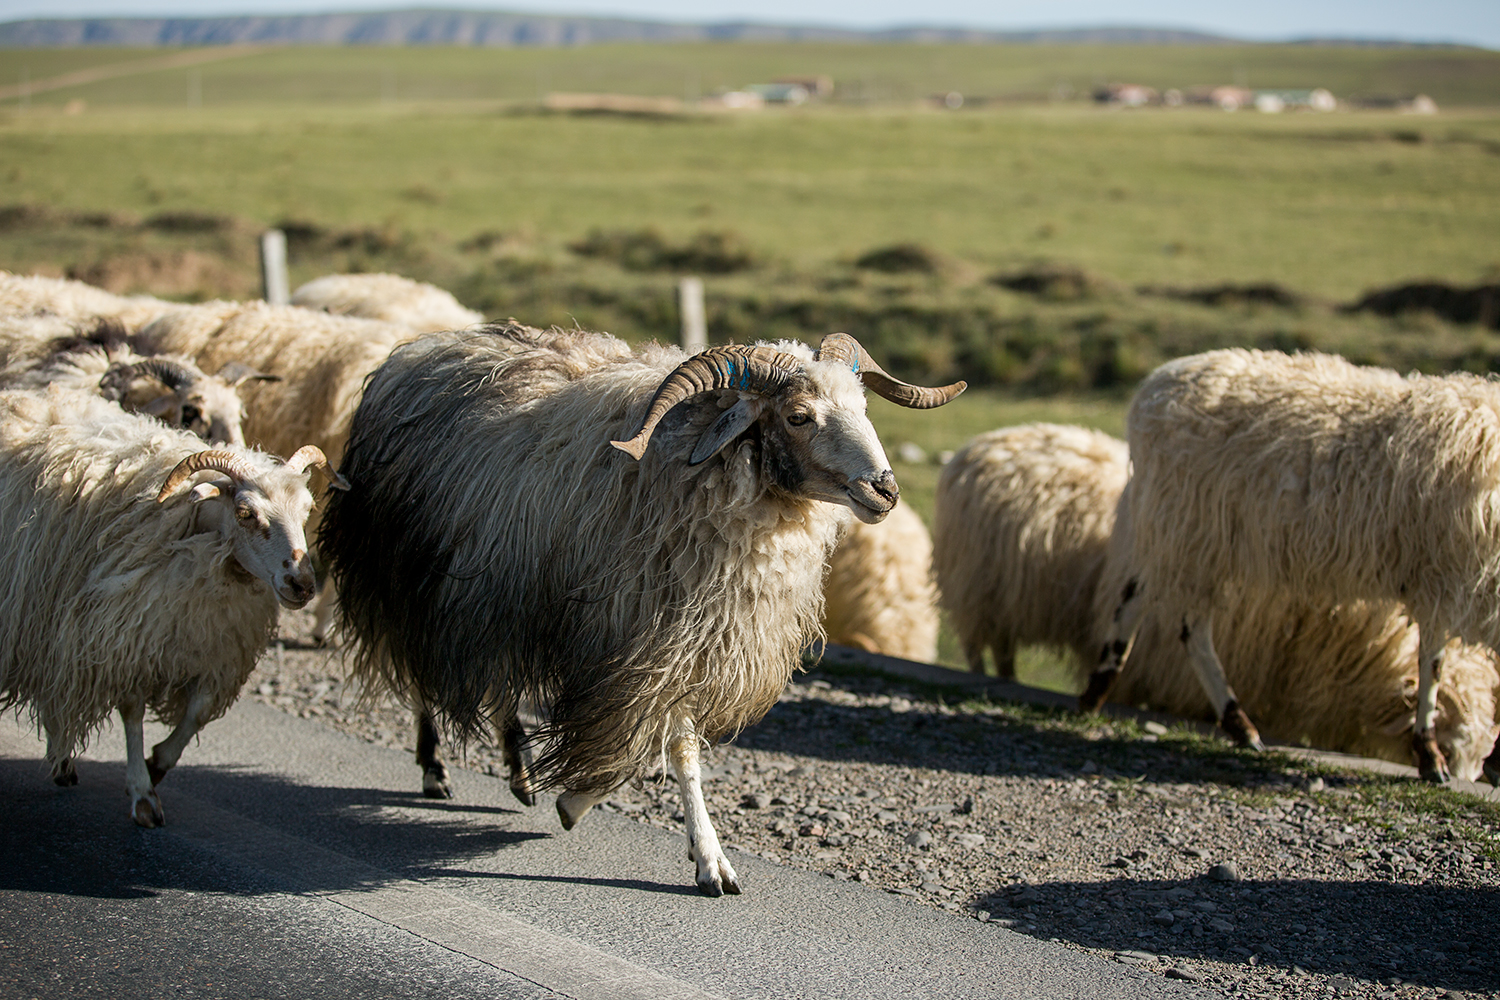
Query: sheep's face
x,y
819,443
265,518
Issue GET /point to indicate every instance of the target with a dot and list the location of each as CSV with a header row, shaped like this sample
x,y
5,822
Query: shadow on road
x,y
1437,935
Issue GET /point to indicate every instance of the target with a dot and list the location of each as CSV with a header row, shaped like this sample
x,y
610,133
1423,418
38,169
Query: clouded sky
x,y
1475,22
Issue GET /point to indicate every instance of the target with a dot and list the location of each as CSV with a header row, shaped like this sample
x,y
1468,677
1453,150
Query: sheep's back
x,y
1023,519
522,555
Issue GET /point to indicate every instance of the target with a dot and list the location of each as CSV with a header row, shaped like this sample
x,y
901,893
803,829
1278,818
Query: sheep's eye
x,y
191,415
246,514
798,419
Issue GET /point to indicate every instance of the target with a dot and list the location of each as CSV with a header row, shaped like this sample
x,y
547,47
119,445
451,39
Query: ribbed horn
x,y
762,370
846,350
173,375
232,465
312,455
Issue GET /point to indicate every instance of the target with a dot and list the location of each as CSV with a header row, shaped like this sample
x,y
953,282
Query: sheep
x,y
650,602
1021,526
1306,474
127,592
169,387
415,304
879,594
323,361
1337,676
75,301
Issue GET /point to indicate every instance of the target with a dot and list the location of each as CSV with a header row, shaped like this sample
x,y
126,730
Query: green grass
x,y
1328,205
862,72
437,164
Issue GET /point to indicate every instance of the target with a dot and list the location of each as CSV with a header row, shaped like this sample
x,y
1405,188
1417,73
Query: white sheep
x,y
1320,479
74,301
650,601
1020,530
322,361
169,387
123,592
415,304
878,595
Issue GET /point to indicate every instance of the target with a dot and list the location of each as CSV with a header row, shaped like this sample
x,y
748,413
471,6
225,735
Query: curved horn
x,y
172,374
761,370
846,350
312,455
230,463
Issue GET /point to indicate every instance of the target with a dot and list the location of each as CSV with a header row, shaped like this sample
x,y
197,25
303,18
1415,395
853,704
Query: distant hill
x,y
481,28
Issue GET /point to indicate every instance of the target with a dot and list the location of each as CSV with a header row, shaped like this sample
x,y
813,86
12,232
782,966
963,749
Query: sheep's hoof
x,y
67,774
435,783
524,793
1092,698
718,880
1430,761
147,812
1239,727
154,769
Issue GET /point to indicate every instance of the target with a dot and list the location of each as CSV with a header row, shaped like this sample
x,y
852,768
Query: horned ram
x,y
633,540
128,591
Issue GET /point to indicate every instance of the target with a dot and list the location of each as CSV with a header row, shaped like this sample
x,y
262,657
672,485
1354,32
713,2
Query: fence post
x,y
273,267
694,320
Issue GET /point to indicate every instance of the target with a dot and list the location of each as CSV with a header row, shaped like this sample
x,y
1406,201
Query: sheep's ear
x,y
204,491
731,424
237,373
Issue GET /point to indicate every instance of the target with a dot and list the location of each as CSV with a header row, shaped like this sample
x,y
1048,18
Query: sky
x,y
1473,22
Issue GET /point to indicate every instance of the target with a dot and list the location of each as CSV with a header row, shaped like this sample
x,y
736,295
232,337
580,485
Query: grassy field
x,y
440,165
861,72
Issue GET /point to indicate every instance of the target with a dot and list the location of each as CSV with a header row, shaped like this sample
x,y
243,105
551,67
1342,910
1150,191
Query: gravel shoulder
x,y
1254,874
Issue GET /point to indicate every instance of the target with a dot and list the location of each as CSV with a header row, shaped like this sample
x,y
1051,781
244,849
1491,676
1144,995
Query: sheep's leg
x,y
573,804
1116,651
517,751
323,609
715,876
1430,761
164,755
145,807
1005,660
1198,636
59,756
435,780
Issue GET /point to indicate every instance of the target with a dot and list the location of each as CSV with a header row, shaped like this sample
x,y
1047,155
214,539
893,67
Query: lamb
x,y
1305,474
879,594
127,592
415,304
169,387
1021,527
652,602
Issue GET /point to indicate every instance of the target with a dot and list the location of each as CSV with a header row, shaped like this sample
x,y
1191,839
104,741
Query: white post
x,y
273,267
694,321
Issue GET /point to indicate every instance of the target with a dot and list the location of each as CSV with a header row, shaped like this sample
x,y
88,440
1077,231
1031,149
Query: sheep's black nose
x,y
885,486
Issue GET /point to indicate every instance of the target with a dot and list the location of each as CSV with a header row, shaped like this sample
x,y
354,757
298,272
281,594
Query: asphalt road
x,y
299,862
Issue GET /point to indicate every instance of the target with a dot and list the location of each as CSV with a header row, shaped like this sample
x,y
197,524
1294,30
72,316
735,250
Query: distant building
x,y
780,93
1272,101
1126,95
817,87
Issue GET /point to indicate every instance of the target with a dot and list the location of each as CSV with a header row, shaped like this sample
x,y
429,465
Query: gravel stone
x,y
1226,871
1085,834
